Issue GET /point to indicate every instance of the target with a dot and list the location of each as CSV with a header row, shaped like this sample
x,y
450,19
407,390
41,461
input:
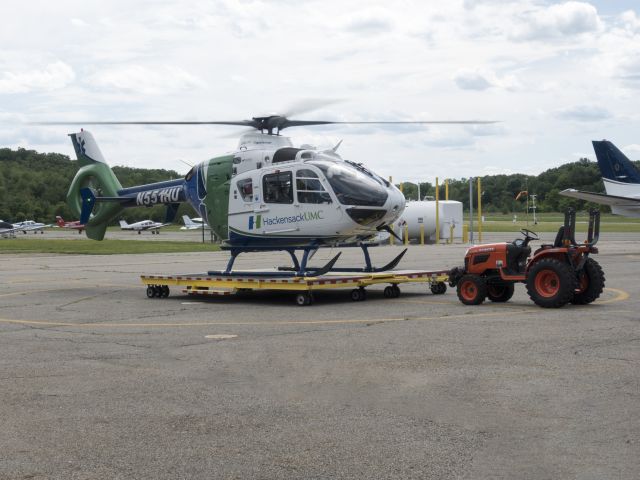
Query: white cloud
x,y
565,19
632,151
157,80
483,80
54,76
468,80
630,21
583,113
370,21
78,22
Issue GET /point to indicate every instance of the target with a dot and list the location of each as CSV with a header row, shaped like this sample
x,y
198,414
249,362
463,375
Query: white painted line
x,y
220,336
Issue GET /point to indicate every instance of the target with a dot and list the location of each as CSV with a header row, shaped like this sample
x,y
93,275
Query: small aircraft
x,y
30,226
74,225
7,229
143,225
194,223
267,195
621,182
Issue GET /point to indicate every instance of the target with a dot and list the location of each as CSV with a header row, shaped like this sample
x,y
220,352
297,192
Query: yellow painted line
x,y
283,322
620,296
267,323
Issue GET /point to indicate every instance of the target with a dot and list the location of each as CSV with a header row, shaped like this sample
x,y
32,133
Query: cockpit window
x,y
309,187
306,173
278,187
351,185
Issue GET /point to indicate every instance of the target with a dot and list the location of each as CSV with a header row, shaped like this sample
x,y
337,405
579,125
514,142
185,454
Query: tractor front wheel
x,y
551,283
590,283
472,289
500,293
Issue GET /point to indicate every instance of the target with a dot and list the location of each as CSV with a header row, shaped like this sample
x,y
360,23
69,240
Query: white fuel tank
x,y
424,213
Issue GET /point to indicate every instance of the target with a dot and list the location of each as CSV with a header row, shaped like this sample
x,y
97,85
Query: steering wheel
x,y
528,236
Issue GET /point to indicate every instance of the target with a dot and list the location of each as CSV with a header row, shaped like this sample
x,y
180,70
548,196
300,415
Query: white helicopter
x,y
268,195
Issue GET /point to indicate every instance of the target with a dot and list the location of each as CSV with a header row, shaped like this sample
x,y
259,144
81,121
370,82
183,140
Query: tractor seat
x,y
558,241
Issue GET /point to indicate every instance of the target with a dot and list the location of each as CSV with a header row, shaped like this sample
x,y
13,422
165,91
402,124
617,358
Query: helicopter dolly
x,y
158,286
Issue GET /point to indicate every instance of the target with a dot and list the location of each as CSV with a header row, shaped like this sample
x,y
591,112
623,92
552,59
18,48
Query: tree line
x,y
500,192
34,186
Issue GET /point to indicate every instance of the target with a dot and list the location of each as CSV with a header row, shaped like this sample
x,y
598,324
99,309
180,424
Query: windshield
x,y
351,185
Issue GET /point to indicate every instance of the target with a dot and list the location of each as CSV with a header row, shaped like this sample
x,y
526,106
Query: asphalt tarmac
x,y
97,381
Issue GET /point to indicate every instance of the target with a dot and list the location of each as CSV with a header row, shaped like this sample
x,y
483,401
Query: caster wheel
x,y
151,292
396,291
164,291
438,288
304,299
358,294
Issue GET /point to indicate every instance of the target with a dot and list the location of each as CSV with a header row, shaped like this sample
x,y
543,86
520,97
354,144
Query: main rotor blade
x,y
242,123
276,122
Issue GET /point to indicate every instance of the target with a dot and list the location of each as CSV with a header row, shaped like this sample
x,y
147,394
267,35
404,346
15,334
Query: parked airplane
x,y
7,229
193,223
621,182
30,226
75,225
143,225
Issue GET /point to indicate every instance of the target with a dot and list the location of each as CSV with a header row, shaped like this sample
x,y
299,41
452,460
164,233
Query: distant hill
x,y
34,186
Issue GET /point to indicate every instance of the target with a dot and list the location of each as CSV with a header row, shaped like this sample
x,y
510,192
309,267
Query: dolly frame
x,y
211,285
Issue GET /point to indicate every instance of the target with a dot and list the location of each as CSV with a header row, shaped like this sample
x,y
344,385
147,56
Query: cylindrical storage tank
x,y
424,213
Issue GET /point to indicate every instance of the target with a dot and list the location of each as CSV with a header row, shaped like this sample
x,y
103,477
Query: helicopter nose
x,y
395,204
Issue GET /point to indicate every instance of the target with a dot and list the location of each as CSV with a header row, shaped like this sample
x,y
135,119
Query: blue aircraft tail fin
x,y
614,165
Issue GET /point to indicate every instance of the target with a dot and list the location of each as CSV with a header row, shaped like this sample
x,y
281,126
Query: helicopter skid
x,y
301,269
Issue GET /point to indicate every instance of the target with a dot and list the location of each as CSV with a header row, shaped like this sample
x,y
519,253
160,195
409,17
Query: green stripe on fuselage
x,y
217,200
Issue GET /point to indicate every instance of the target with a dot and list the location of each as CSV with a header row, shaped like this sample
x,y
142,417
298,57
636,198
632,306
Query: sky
x,y
554,75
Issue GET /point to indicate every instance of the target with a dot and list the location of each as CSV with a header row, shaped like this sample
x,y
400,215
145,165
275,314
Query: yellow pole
x,y
391,236
465,233
437,213
402,187
446,189
479,210
422,234
406,234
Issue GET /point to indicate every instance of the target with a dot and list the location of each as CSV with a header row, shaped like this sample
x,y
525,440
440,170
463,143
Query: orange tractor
x,y
555,275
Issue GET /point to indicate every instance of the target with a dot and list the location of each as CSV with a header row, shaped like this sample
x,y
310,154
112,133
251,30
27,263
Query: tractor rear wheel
x,y
590,283
501,292
551,283
472,289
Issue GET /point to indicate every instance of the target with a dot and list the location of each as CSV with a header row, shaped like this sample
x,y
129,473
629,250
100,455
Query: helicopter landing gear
x,y
303,270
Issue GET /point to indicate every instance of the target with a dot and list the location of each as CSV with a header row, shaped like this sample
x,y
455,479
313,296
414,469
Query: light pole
x,y
471,210
533,207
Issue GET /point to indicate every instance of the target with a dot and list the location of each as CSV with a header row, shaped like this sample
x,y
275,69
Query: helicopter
x,y
268,195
